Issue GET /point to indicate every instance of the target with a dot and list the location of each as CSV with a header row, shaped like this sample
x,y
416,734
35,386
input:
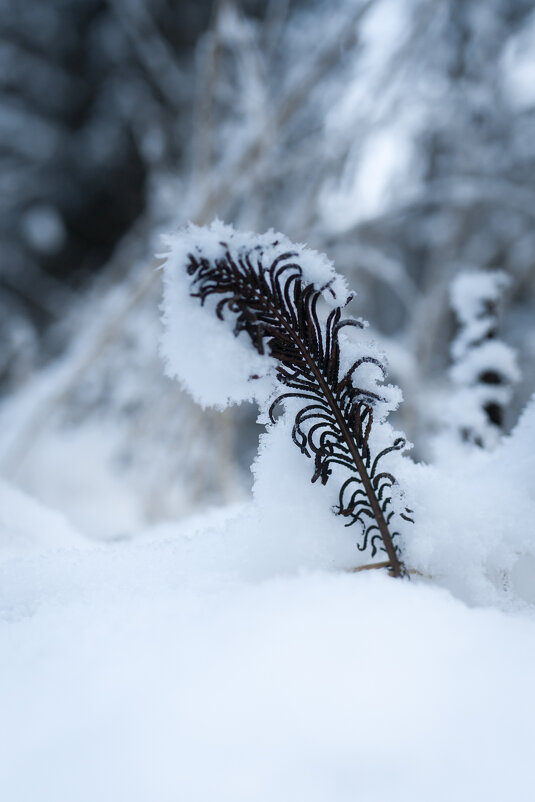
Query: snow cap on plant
x,y
284,302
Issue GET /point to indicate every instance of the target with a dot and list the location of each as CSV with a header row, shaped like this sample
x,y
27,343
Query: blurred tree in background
x,y
396,135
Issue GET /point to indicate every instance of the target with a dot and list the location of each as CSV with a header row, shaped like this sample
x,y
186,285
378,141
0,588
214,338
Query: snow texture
x,y
215,369
26,525
474,294
474,511
147,670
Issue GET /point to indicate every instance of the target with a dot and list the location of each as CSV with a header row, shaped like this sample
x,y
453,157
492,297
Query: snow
x,y
491,355
97,500
475,297
473,509
132,676
217,370
26,525
471,289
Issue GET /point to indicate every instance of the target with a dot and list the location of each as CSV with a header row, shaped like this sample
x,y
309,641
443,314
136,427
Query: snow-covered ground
x,y
149,670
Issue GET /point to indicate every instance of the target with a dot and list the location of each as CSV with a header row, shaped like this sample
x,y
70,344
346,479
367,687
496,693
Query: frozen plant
x,y
485,368
288,300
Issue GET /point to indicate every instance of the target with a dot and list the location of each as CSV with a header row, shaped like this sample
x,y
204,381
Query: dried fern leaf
x,y
265,293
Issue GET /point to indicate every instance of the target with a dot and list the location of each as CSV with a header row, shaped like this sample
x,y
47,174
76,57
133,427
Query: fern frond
x,y
278,310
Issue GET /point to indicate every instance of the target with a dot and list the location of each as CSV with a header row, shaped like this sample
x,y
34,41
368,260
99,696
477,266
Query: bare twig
x,y
373,566
151,48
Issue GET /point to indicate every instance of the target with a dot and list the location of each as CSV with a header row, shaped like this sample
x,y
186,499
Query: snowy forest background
x,y
174,625
398,137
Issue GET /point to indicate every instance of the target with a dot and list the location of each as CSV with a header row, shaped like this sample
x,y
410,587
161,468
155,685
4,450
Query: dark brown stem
x,y
397,568
370,567
386,564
